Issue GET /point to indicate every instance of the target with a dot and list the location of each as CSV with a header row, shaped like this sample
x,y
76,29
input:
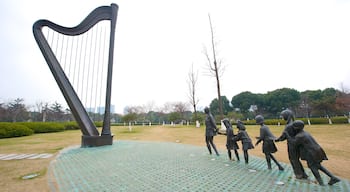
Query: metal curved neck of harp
x,y
81,116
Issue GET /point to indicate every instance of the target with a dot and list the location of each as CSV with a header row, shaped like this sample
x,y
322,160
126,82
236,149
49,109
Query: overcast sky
x,y
265,45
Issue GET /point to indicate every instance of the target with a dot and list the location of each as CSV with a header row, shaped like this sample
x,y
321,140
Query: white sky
x,y
265,45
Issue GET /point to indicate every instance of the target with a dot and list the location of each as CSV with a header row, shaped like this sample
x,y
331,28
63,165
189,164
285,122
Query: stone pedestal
x,y
96,141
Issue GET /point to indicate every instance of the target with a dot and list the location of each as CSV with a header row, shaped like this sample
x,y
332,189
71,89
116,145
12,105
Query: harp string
x,y
71,64
83,60
104,56
101,52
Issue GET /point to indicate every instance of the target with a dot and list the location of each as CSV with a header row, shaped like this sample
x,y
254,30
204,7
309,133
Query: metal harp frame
x,y
91,136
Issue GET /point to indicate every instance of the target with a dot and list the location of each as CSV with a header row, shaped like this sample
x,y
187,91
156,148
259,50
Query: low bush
x,y
72,125
44,127
313,121
98,123
340,120
8,130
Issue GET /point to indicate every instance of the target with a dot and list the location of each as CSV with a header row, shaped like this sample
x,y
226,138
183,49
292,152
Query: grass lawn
x,y
333,139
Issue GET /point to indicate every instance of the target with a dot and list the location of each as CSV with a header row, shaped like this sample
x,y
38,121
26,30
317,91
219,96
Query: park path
x,y
15,156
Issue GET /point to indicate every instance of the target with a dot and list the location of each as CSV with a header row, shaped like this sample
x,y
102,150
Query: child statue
x,y
243,136
310,151
231,144
268,146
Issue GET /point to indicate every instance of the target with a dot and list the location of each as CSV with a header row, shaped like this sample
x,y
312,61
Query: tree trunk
x,y
216,69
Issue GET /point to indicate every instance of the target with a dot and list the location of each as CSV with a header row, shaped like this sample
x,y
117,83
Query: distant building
x,y
90,110
101,110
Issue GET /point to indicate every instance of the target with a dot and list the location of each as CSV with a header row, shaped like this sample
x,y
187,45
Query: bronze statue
x,y
231,144
293,154
268,146
210,131
77,100
310,151
245,139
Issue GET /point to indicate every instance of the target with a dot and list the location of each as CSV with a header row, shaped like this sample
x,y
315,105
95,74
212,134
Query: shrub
x,y
72,125
98,123
44,127
313,121
267,122
339,120
8,130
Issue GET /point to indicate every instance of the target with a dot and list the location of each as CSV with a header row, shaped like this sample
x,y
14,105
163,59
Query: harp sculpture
x,y
81,61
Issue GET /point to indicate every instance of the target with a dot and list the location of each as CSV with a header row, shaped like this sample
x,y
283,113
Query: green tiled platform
x,y
159,166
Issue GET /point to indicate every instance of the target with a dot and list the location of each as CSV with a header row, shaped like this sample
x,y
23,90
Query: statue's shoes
x,y
333,181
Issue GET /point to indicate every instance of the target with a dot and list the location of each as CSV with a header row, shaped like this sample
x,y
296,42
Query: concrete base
x,y
96,141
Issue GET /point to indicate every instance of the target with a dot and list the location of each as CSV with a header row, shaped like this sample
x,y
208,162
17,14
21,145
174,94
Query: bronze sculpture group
x,y
300,144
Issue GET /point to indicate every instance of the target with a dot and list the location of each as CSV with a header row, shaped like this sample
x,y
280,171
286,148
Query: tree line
x,y
18,111
310,103
245,105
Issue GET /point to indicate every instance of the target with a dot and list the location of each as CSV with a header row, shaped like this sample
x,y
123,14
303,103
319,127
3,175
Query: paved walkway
x,y
160,166
25,156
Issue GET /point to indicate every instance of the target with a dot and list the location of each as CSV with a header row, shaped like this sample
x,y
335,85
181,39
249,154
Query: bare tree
x,y
214,66
167,107
175,107
192,83
149,106
39,106
180,107
343,88
45,111
3,112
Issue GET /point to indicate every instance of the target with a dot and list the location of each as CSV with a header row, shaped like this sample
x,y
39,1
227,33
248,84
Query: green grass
x,y
333,138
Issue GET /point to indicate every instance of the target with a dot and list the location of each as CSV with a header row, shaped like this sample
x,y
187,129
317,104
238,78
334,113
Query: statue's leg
x,y
213,145
246,157
268,160
207,139
314,169
333,179
317,175
304,175
277,163
229,154
237,156
295,162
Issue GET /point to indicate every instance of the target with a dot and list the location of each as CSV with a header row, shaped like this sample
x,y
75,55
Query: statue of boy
x,y
210,131
268,146
293,154
310,151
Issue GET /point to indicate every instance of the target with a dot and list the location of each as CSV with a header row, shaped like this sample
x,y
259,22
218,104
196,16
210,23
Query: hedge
x,y
8,130
313,121
44,127
72,125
